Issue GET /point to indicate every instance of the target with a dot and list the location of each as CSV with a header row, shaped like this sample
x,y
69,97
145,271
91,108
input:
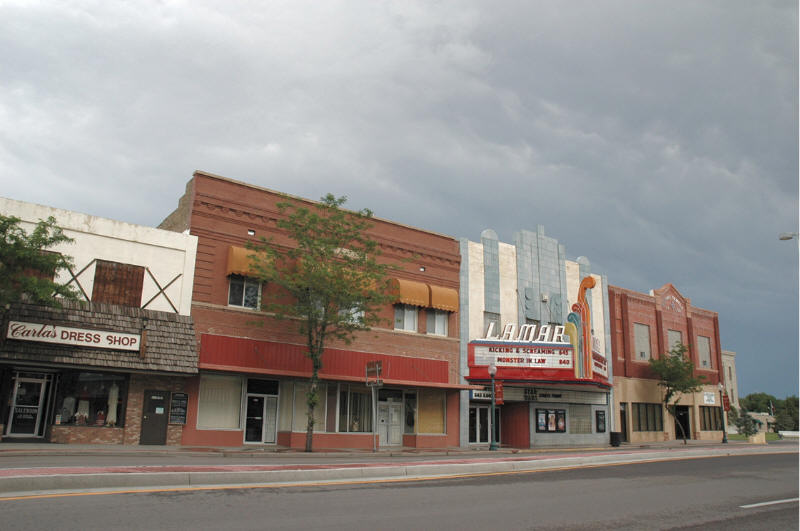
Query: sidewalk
x,y
165,468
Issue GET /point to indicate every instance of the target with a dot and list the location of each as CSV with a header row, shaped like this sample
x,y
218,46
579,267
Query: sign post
x,y
373,372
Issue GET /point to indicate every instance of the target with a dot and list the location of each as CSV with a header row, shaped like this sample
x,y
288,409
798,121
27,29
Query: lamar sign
x,y
63,335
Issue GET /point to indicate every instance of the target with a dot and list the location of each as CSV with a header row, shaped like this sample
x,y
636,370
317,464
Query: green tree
x,y
759,402
27,268
676,376
745,423
330,272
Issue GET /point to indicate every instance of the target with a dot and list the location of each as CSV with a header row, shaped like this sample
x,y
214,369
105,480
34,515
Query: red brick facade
x,y
223,213
665,310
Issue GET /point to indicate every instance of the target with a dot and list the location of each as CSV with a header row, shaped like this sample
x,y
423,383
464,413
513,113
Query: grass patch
x,y
739,437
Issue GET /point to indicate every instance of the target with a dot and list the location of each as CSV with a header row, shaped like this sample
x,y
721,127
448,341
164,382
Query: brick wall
x,y
140,383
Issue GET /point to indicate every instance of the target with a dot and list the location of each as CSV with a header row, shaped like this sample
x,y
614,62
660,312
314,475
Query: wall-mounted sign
x,y
527,333
63,335
177,408
709,398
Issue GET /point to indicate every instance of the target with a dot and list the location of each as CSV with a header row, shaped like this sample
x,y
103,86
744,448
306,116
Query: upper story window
x,y
674,338
116,283
243,291
405,317
704,352
437,322
641,335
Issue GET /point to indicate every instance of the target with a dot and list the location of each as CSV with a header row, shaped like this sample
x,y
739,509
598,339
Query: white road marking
x,y
763,504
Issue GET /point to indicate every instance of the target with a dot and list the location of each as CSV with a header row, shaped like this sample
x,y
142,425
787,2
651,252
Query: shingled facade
x,y
111,367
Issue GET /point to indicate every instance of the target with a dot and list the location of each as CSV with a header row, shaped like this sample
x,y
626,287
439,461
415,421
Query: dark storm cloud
x,y
658,139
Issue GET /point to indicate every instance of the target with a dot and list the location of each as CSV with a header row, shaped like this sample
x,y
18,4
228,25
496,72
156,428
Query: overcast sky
x,y
658,139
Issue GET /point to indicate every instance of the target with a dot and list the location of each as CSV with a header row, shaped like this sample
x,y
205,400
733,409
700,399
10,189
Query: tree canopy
x,y
329,282
676,376
28,267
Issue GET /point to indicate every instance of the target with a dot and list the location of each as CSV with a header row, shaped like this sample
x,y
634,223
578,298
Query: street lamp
x,y
722,410
493,444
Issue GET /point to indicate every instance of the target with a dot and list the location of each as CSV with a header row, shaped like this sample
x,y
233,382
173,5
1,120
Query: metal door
x,y
154,417
390,426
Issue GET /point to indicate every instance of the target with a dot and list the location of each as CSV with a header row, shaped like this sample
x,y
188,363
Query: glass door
x,y
26,407
479,424
254,424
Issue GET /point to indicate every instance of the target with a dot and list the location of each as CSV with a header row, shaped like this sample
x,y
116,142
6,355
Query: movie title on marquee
x,y
63,335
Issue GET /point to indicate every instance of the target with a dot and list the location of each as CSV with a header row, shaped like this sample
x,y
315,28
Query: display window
x,y
91,399
551,420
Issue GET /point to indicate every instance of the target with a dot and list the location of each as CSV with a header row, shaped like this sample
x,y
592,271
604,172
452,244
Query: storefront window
x,y
411,412
91,399
355,409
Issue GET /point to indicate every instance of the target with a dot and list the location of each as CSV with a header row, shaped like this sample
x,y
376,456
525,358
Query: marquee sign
x,y
552,352
63,335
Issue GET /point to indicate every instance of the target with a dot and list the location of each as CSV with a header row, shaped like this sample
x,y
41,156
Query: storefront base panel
x,y
425,441
322,441
195,437
649,436
85,435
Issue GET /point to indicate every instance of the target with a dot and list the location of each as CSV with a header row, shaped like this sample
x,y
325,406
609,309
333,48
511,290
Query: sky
x,y
659,139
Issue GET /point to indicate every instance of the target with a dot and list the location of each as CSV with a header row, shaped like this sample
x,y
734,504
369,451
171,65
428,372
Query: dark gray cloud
x,y
660,140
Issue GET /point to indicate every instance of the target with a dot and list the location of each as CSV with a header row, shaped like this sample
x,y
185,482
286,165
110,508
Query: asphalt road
x,y
705,493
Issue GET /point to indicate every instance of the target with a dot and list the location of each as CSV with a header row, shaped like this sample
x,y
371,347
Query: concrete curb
x,y
62,483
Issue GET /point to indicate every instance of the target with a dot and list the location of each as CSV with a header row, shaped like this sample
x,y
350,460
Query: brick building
x,y
645,326
253,370
113,366
540,319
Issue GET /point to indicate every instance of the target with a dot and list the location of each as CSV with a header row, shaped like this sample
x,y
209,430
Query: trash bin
x,y
616,438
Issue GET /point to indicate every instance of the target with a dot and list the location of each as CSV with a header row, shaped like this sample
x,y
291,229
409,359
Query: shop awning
x,y
410,292
239,262
444,298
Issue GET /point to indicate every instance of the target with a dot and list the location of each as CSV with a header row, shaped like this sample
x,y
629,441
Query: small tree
x,y
27,269
746,424
334,283
676,375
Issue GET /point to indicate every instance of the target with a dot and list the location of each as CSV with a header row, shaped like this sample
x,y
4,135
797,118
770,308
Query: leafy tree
x,y
759,402
790,407
676,375
27,268
745,423
733,416
334,283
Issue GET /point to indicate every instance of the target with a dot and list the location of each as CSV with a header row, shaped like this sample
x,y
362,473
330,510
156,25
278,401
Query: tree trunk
x,y
671,411
312,398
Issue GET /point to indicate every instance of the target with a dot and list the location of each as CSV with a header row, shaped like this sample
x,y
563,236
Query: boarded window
x,y
674,338
116,283
219,402
641,334
704,352
431,411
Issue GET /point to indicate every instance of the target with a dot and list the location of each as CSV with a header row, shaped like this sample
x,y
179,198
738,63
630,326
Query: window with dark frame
x,y
648,417
243,292
710,418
